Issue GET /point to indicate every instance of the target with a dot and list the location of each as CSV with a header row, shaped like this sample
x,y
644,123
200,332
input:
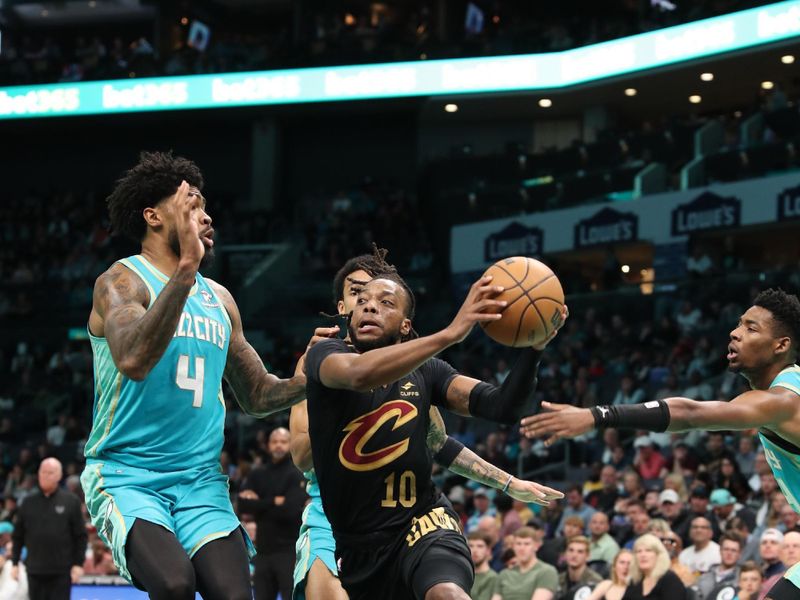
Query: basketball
x,y
534,297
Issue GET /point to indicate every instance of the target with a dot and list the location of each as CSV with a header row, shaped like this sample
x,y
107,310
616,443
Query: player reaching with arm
x,y
763,348
369,420
163,337
315,570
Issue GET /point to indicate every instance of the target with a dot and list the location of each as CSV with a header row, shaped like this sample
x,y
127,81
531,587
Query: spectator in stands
x,y
770,549
489,527
746,457
726,572
751,581
762,500
480,546
730,478
698,507
628,392
725,508
699,264
605,498
615,587
553,550
575,507
750,542
51,526
509,518
649,462
672,509
688,318
704,552
640,523
483,508
651,576
602,546
577,574
274,494
632,487
683,463
674,546
529,578
789,520
100,562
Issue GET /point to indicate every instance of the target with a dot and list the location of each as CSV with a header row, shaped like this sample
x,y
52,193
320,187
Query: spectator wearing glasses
x,y
725,573
704,552
673,544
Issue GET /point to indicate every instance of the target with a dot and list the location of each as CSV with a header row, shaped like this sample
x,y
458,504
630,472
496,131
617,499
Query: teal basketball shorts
x,y
193,504
315,542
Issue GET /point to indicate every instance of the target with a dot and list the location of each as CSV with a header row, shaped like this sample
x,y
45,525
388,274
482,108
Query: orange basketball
x,y
534,297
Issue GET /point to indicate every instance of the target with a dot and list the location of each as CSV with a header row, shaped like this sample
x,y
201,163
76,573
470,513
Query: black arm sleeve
x,y
508,403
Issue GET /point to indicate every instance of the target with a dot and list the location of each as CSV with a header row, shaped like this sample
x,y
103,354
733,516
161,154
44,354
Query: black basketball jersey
x,y
370,449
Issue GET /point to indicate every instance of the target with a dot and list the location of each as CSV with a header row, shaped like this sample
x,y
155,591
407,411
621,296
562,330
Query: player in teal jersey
x,y
315,575
763,348
163,337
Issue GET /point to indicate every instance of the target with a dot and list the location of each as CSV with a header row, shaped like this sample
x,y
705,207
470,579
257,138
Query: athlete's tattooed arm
x,y
470,465
257,391
136,336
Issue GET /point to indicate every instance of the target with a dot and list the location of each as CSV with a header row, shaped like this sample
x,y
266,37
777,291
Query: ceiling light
x,y
451,108
630,91
695,99
545,103
767,85
184,20
625,268
787,59
707,76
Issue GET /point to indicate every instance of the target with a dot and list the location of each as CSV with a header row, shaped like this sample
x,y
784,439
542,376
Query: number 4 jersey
x,y
370,449
174,418
782,456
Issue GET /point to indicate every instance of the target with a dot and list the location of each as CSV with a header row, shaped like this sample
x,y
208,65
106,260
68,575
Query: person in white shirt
x,y
704,552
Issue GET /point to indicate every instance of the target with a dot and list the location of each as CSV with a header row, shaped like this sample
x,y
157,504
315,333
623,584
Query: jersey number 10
x,y
192,384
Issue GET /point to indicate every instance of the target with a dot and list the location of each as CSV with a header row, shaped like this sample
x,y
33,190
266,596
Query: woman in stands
x,y
651,576
614,588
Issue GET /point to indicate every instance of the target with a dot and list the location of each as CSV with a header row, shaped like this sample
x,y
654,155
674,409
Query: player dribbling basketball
x,y
368,410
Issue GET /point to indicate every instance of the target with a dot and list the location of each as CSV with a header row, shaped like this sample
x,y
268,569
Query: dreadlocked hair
x,y
785,309
372,264
154,178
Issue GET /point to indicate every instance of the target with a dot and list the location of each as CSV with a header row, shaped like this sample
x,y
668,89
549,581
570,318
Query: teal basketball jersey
x,y
174,418
785,464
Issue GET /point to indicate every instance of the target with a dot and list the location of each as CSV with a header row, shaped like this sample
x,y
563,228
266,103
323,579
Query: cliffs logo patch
x,y
607,226
407,390
789,204
362,429
707,211
208,300
513,240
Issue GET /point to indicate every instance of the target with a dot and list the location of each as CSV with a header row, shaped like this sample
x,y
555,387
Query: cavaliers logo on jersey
x,y
362,429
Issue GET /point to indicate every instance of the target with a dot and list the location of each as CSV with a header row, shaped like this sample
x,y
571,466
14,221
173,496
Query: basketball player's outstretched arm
x,y
775,409
136,336
468,464
507,403
300,441
257,391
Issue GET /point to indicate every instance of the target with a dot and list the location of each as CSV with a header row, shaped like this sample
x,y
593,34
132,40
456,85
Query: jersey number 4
x,y
192,384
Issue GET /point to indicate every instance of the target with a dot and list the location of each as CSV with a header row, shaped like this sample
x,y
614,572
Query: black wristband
x,y
650,416
448,452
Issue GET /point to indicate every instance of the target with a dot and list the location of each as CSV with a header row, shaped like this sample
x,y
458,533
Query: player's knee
x,y
177,585
446,591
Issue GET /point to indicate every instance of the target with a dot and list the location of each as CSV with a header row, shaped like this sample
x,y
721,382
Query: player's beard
x,y
387,339
175,246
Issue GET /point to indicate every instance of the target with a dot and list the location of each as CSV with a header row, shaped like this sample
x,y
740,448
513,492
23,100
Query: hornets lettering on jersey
x,y
784,463
174,418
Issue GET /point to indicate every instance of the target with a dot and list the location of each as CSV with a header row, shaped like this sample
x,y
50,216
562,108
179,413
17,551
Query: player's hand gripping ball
x,y
535,300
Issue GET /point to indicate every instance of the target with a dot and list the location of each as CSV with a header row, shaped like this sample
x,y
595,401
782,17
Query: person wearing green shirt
x,y
480,546
529,578
602,546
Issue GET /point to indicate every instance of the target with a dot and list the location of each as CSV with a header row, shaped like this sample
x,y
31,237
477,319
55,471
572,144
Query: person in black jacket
x,y
651,576
50,525
275,495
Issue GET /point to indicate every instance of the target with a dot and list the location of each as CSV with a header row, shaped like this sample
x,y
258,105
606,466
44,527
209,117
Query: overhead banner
x,y
552,70
660,218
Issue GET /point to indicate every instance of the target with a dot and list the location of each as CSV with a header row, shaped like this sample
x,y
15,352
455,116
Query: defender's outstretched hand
x,y
560,421
530,491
